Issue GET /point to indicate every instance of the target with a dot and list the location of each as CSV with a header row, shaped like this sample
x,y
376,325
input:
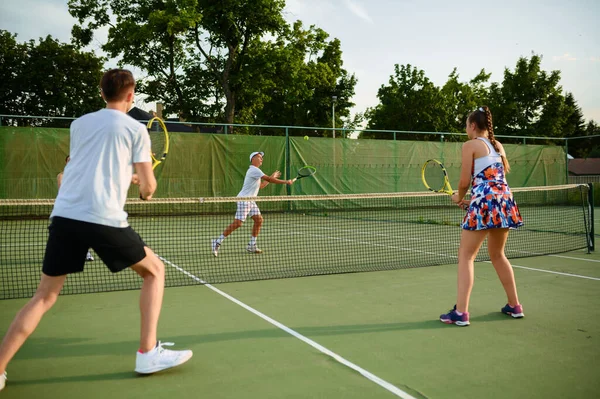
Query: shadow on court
x,y
125,375
40,348
492,316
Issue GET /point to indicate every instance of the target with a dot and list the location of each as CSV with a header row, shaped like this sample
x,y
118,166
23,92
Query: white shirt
x,y
251,182
104,146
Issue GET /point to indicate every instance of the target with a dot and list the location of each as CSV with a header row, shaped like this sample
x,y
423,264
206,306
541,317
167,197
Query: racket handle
x,y
294,179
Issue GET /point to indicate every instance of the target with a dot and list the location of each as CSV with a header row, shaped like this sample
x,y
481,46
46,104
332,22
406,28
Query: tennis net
x,y
300,236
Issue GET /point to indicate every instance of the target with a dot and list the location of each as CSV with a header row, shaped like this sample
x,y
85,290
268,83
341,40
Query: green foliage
x,y
150,35
519,103
48,78
13,57
531,102
528,102
303,71
460,99
574,126
410,101
587,147
232,60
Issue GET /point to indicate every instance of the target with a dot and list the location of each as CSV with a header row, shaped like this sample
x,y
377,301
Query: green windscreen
x,y
213,165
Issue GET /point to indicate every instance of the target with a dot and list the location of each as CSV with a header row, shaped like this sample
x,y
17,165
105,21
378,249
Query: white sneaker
x,y
2,380
253,249
215,247
160,358
89,257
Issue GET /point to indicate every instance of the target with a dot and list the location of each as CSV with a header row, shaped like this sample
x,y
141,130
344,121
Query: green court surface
x,y
384,322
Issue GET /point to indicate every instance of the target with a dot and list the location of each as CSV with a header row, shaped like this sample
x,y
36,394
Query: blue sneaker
x,y
516,312
453,318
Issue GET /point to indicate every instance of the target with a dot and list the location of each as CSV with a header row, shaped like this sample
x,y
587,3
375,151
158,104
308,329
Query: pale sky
x,y
434,35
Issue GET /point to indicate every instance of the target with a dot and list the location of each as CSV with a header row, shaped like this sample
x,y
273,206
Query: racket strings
x,y
306,171
434,176
158,142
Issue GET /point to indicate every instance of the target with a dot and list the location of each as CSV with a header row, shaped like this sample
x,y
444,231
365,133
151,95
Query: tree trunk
x,y
230,106
229,93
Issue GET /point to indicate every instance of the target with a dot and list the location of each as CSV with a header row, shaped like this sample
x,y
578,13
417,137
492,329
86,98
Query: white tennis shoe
x,y
160,358
2,380
89,257
253,249
215,247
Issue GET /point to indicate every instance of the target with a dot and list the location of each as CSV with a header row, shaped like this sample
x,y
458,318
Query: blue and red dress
x,y
492,204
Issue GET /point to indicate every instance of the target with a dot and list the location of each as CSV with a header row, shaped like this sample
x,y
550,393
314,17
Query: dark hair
x,y
115,82
482,118
67,158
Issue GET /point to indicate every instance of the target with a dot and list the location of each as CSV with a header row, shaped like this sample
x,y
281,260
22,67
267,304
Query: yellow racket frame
x,y
447,189
157,159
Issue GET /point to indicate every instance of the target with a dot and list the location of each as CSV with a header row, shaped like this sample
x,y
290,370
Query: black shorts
x,y
70,240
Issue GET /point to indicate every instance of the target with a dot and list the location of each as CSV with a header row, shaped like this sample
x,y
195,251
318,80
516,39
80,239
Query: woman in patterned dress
x,y
491,212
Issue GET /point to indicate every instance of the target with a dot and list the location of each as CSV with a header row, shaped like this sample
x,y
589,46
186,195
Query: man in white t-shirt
x,y
89,213
255,180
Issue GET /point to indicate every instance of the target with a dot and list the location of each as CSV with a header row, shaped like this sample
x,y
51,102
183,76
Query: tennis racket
x,y
159,139
305,172
435,177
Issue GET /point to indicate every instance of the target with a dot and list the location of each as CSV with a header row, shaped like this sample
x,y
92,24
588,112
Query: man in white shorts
x,y
254,181
89,213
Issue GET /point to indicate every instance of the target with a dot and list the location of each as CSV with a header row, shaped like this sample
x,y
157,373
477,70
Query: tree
x,y
304,72
13,57
150,35
177,40
587,147
48,78
575,123
460,99
233,60
574,126
519,102
411,102
231,26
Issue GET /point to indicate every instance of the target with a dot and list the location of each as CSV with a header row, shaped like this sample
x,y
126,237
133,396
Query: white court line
x,y
553,272
392,388
572,257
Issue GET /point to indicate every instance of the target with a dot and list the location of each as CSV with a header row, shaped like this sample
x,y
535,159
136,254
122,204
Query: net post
x,y
591,240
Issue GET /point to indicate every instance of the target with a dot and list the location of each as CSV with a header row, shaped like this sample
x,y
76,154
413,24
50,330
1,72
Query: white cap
x,y
256,153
